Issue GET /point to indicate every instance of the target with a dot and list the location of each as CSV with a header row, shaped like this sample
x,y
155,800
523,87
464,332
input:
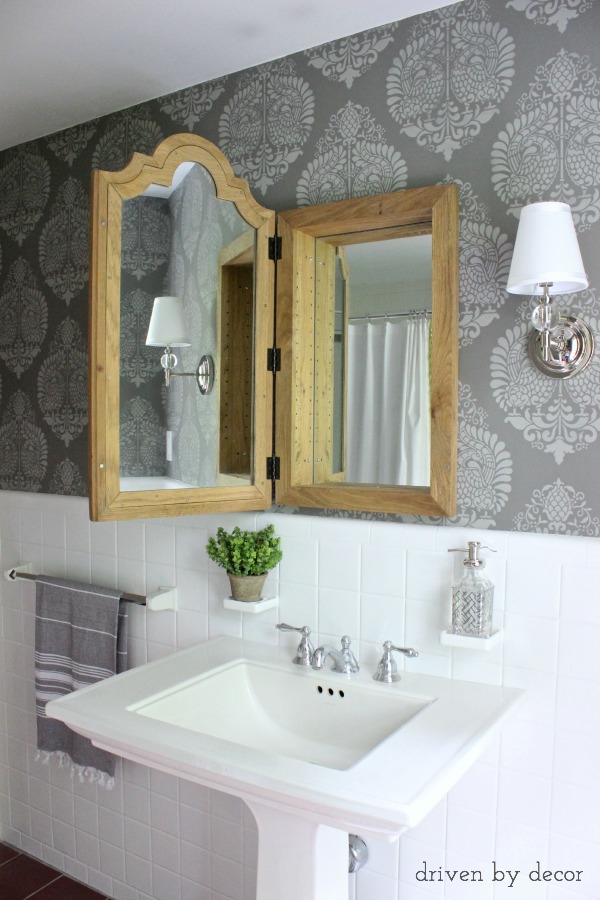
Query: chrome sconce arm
x,y
560,346
564,350
204,372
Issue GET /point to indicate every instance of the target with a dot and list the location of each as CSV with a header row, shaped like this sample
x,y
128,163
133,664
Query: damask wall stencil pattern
x,y
145,249
353,160
447,82
351,57
266,123
552,12
500,96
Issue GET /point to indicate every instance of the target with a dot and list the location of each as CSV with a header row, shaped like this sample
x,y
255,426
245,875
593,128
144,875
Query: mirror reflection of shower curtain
x,y
388,437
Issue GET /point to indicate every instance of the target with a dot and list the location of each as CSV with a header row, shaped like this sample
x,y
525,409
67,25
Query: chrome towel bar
x,y
163,598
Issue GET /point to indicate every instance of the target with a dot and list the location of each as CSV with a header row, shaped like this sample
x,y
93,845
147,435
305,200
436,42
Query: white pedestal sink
x,y
315,755
299,859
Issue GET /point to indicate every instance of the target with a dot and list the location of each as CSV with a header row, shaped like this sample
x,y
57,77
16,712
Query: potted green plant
x,y
247,557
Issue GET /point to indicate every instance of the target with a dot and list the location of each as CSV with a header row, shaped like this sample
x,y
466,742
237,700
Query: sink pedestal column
x,y
299,859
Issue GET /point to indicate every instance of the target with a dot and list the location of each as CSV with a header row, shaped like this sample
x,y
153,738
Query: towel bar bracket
x,y
20,571
163,598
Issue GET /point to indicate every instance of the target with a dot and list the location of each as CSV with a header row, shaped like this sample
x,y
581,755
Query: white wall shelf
x,y
251,606
450,639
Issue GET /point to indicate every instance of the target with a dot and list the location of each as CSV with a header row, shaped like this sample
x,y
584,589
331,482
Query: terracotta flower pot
x,y
247,587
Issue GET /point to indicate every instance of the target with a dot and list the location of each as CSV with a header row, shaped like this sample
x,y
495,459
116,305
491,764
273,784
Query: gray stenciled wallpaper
x,y
502,97
145,250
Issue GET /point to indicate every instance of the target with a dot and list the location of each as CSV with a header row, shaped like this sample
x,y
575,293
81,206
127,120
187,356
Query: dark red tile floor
x,y
22,877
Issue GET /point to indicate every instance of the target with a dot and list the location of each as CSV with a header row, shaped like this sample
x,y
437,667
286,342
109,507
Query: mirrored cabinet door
x,y
181,318
367,320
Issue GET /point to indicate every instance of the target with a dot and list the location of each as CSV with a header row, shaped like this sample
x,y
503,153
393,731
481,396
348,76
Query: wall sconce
x,y
547,255
167,329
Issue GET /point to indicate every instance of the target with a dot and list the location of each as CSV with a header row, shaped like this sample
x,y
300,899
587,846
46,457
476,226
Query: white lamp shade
x,y
546,251
167,325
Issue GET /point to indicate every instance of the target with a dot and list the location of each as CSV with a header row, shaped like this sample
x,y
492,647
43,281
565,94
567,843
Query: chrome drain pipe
x,y
358,853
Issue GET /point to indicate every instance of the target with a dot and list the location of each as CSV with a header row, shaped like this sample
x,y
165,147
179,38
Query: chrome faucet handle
x,y
305,649
387,670
352,664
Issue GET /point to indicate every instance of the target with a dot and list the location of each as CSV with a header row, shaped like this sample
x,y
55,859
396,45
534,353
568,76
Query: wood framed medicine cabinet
x,y
274,436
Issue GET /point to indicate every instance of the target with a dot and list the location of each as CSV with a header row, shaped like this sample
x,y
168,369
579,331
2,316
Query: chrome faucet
x,y
344,660
387,670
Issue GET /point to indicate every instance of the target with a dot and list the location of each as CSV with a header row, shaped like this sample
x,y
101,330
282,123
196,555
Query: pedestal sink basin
x,y
318,719
315,755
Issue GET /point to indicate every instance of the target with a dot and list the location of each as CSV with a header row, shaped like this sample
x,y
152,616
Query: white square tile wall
x,y
533,797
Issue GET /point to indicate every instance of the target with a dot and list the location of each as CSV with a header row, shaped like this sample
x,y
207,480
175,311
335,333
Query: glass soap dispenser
x,y
472,596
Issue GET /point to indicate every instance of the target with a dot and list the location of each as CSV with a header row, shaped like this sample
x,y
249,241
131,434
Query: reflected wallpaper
x,y
500,96
145,248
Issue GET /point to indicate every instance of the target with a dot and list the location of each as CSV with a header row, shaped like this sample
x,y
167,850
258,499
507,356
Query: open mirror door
x,y
181,316
367,325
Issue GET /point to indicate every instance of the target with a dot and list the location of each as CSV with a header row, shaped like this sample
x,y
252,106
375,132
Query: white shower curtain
x,y
388,435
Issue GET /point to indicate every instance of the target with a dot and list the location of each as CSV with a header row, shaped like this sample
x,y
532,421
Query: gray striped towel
x,y
80,638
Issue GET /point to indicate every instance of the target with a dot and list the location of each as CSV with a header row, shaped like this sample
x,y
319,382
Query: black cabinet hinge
x,y
273,359
272,468
275,248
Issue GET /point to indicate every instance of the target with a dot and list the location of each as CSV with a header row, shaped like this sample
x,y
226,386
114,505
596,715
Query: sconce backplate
x,y
571,347
205,374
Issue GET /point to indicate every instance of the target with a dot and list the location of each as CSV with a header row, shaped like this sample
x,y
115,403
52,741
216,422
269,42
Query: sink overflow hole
x,y
330,691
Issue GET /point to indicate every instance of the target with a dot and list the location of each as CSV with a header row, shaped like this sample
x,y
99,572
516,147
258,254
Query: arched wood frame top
x,y
144,170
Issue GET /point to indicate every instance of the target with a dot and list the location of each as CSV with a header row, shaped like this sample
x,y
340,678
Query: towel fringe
x,y
84,773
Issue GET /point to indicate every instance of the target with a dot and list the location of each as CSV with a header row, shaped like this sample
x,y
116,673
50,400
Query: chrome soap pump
x,y
472,596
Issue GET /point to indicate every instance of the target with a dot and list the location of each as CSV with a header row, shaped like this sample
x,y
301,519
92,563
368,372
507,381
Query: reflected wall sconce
x,y
547,256
168,329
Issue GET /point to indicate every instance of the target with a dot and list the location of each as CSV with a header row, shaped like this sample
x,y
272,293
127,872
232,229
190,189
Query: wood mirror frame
x,y
418,211
109,189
